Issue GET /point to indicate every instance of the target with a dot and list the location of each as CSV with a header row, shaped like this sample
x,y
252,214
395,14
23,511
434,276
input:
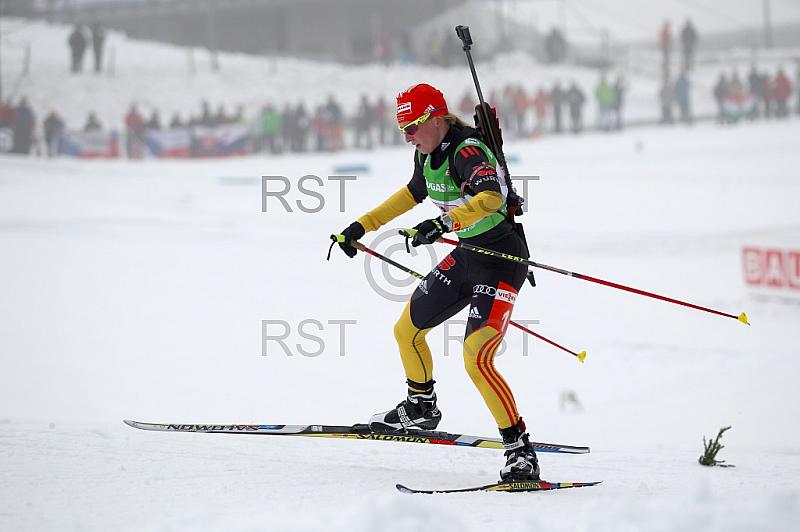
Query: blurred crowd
x,y
759,95
275,129
328,127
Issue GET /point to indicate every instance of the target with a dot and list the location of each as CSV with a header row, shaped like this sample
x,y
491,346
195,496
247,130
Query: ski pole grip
x,y
338,238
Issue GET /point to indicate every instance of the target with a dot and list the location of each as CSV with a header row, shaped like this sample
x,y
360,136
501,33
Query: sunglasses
x,y
413,127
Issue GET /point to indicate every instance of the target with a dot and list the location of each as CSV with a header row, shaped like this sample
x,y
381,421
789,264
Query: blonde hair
x,y
451,119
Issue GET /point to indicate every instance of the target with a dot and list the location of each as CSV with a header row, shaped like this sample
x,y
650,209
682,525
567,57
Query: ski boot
x,y
417,411
521,461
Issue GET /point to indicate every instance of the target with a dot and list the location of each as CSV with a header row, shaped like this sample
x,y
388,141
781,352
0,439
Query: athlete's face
x,y
428,135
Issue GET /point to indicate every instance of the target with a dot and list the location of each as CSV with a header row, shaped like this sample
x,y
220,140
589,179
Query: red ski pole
x,y
741,317
361,247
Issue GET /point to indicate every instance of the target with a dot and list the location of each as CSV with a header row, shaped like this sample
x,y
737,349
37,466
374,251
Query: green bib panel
x,y
445,192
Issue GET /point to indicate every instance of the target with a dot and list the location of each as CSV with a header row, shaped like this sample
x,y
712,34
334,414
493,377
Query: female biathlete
x,y
457,171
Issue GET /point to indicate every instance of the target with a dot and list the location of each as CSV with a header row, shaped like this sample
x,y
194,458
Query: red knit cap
x,y
417,100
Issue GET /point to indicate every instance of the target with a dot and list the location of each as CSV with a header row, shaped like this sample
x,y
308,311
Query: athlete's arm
x,y
480,177
398,203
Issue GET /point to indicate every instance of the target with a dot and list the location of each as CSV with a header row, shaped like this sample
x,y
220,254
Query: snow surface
x,y
139,289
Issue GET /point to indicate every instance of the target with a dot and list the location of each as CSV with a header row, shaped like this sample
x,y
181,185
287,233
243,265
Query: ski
x,y
359,431
508,487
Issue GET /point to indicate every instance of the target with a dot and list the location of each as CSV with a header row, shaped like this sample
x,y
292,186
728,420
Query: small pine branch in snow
x,y
709,457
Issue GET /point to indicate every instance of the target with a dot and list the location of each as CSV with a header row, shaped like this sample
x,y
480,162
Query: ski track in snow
x,y
138,290
110,477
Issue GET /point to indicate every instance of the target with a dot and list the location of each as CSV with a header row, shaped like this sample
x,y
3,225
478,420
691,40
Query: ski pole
x,y
741,317
361,247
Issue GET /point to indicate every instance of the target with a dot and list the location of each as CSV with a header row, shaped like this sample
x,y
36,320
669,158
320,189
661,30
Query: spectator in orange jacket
x,y
540,103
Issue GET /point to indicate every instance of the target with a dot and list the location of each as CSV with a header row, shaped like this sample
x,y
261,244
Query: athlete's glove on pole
x,y
354,232
430,231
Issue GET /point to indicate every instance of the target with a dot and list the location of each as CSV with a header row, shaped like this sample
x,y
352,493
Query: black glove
x,y
429,231
353,232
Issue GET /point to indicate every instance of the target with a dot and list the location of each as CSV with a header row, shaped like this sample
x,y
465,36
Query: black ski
x,y
509,487
358,431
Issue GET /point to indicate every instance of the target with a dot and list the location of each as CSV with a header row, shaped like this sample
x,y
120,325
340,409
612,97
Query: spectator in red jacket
x,y
782,88
520,101
540,103
7,112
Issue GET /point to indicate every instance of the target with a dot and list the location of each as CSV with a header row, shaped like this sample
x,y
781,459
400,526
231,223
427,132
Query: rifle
x,y
489,127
